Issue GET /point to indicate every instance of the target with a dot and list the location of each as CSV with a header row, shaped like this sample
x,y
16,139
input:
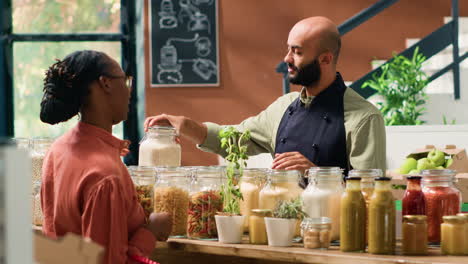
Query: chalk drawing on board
x,y
168,18
195,19
199,2
203,67
169,66
203,46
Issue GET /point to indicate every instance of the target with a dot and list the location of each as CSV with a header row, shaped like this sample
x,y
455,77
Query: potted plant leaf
x,y
282,226
229,223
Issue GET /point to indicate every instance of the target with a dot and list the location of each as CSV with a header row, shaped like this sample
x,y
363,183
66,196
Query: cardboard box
x,y
71,249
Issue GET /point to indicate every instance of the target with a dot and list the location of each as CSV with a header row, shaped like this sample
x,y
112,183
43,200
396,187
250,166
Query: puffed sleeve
x,y
104,220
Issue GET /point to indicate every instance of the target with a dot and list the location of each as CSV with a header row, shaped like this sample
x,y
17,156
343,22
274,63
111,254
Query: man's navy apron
x,y
317,132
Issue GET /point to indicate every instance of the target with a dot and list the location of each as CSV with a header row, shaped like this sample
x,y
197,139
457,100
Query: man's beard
x,y
308,75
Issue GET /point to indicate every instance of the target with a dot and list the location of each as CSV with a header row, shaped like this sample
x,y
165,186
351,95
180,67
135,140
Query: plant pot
x,y
280,231
230,228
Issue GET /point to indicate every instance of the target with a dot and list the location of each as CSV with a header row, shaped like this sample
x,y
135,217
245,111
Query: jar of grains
x,y
442,198
159,147
250,185
204,202
143,179
171,195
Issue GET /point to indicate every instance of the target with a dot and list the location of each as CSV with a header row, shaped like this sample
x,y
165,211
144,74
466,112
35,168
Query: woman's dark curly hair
x,y
66,84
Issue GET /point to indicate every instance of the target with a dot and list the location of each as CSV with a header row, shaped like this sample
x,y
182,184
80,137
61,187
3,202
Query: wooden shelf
x,y
176,249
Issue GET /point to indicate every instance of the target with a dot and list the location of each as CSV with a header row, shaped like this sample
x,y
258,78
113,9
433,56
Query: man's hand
x,y
160,224
185,127
291,161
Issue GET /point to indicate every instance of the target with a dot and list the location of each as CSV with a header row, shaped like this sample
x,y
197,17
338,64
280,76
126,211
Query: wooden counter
x,y
182,251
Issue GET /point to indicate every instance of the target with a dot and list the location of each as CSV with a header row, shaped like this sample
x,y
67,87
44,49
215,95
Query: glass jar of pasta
x,y
144,179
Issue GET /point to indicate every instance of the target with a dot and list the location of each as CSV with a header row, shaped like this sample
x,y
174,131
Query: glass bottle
x,y
143,179
382,235
367,187
414,231
204,202
171,195
257,228
442,198
353,217
317,232
250,185
322,196
453,235
414,202
160,148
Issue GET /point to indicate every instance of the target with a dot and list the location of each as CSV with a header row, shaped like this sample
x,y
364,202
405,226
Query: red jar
x,y
413,200
442,198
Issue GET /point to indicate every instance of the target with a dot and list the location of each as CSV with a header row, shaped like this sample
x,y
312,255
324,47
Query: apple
x,y
409,165
437,157
425,164
448,163
414,172
440,168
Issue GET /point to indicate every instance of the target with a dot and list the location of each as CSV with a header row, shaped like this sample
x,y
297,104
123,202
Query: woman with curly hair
x,y
86,189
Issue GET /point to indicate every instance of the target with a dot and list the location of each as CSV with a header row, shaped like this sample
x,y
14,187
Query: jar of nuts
x,y
316,232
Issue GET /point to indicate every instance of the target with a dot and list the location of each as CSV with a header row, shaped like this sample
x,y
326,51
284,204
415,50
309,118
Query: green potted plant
x,y
229,223
282,226
401,85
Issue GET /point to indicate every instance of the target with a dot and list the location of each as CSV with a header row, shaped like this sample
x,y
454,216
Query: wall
x,y
252,37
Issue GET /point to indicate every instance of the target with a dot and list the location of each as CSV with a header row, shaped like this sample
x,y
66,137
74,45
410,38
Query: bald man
x,y
326,124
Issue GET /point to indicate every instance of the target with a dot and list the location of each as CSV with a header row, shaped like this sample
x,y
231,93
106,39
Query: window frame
x,y
127,38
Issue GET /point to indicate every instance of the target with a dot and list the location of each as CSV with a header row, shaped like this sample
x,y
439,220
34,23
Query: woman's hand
x,y
160,224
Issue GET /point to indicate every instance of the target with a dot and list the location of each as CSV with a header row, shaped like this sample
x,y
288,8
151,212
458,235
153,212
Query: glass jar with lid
x,y
453,235
322,196
159,147
171,195
23,143
204,202
37,216
316,232
442,199
144,179
257,228
39,149
414,231
250,185
465,215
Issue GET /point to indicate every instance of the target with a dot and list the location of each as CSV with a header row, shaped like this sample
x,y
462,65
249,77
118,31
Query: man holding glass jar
x,y
326,124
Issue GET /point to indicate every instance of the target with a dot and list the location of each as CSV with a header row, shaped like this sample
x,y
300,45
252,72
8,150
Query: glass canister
x,y
442,199
204,202
465,215
22,143
414,202
171,195
36,204
257,228
281,185
382,214
250,185
414,231
353,217
160,148
144,179
317,232
452,240
39,148
322,196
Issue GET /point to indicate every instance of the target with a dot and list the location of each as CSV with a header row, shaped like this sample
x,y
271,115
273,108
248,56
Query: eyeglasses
x,y
128,80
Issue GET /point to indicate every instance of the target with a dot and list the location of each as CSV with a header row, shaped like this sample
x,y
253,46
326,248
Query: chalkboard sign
x,y
184,43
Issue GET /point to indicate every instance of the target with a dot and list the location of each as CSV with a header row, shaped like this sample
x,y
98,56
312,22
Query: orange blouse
x,y
87,190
